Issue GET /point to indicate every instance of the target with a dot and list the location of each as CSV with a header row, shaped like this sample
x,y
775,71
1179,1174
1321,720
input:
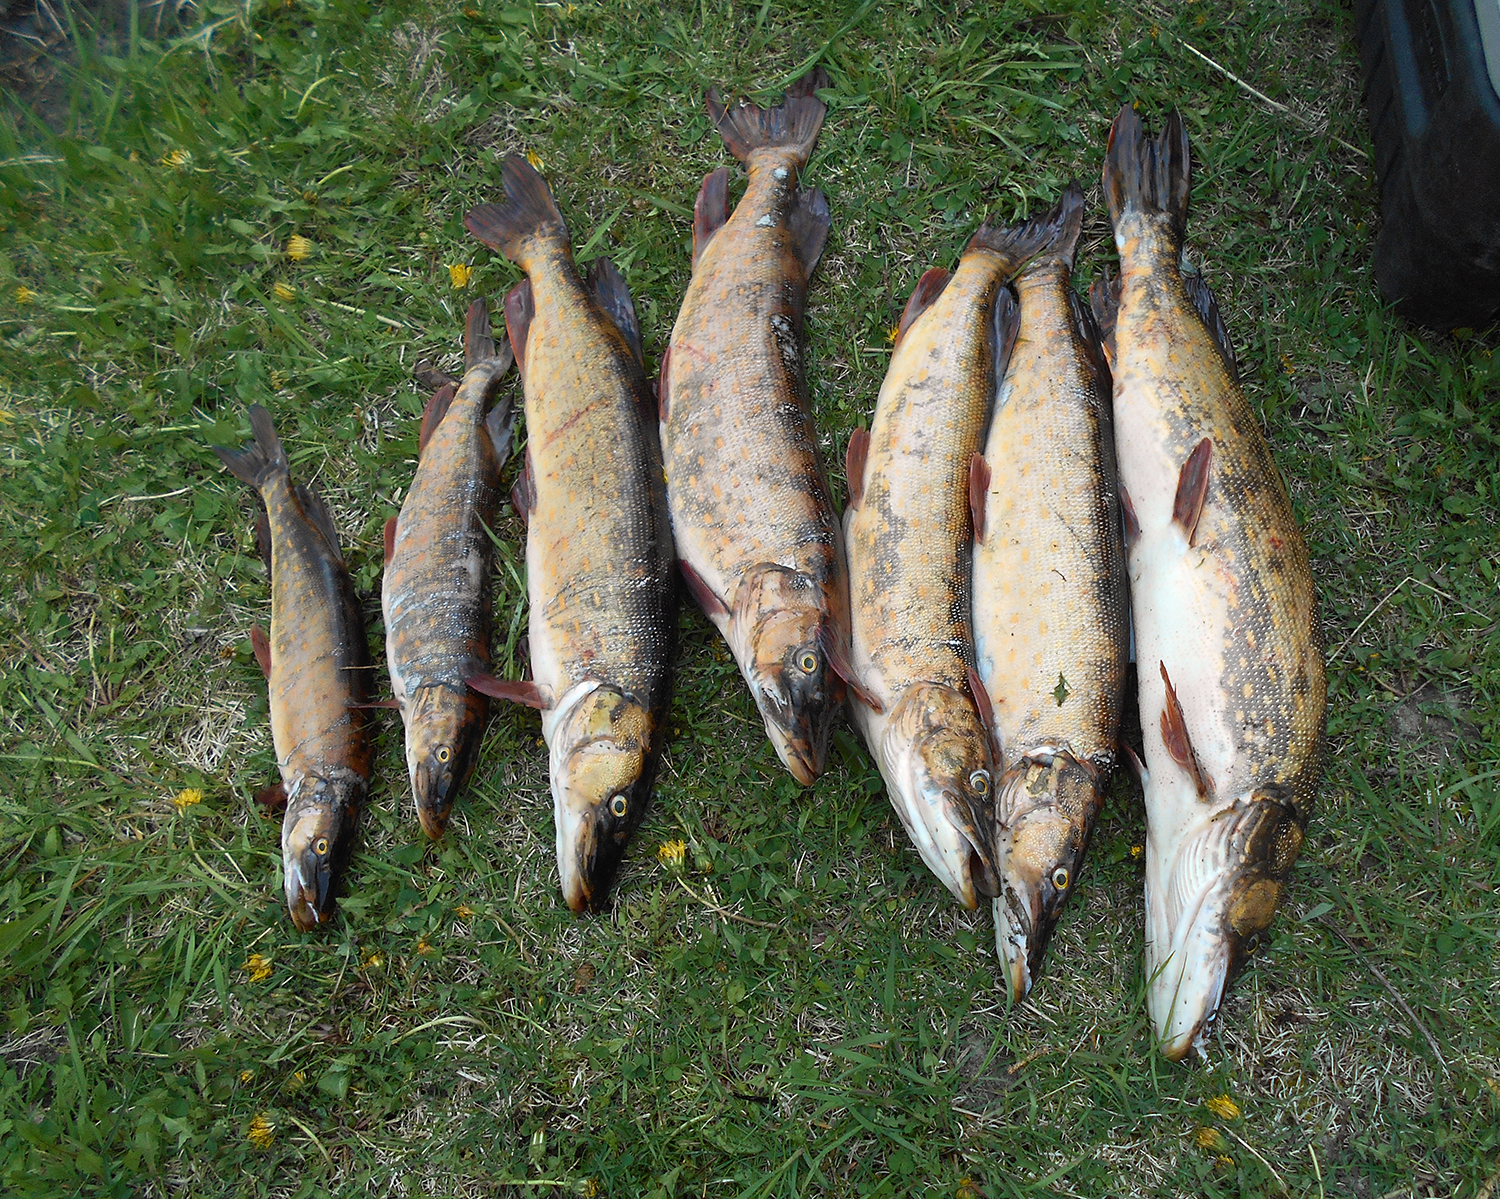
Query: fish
x,y
915,695
600,562
436,588
1051,598
1231,676
319,676
753,516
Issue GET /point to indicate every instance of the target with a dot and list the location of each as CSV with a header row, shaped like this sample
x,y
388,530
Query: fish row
x,y
1036,471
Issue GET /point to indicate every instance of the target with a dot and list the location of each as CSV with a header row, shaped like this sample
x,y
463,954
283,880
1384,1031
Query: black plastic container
x,y
1435,121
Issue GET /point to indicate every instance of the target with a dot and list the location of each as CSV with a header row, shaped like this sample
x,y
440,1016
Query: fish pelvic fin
x,y
1038,241
613,293
793,125
855,457
260,461
1192,488
529,213
1150,174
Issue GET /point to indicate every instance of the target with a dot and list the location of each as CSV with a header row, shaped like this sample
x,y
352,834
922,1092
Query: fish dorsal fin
x,y
1004,330
263,537
610,289
390,538
1192,488
711,210
514,690
1203,300
519,310
854,465
1104,302
979,492
929,287
432,415
713,607
500,424
1088,333
838,662
260,645
318,516
1174,735
479,341
810,221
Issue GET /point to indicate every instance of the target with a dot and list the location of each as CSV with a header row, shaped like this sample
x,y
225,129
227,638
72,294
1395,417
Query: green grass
x,y
458,1032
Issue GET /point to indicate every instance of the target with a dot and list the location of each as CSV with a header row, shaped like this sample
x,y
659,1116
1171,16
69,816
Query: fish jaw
x,y
317,837
1045,812
1206,904
935,758
443,730
601,762
775,634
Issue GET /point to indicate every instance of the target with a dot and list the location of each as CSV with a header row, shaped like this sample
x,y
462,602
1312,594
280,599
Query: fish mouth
x,y
434,791
309,888
1014,943
802,745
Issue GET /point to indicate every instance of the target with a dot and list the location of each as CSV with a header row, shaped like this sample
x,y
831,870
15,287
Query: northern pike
x,y
751,508
916,697
1050,594
437,586
1229,658
318,674
599,556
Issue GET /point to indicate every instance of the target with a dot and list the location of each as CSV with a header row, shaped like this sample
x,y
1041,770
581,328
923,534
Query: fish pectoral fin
x,y
261,645
517,691
1128,518
1174,734
432,415
981,696
838,662
711,210
523,494
929,287
713,607
271,799
318,516
809,221
612,292
979,491
519,310
390,537
854,465
1192,488
263,538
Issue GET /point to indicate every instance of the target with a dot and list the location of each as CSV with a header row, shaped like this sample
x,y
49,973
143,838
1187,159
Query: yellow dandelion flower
x,y
966,1189
1137,850
261,1132
298,248
1224,1107
247,1075
285,292
534,159
295,1082
24,294
672,854
423,946
178,160
460,273
374,962
187,797
464,912
278,379
892,333
258,968
1224,1160
1207,1138
590,1189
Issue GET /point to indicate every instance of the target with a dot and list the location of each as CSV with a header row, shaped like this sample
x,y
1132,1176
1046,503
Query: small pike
x,y
1050,599
318,675
599,553
751,509
437,585
1232,688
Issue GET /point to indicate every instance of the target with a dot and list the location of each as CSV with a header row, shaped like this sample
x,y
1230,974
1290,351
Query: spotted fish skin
x,y
318,674
1230,662
752,512
1050,593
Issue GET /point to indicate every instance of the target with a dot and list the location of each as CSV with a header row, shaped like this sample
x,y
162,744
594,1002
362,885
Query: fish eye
x,y
1060,878
617,806
320,846
979,782
808,661
442,754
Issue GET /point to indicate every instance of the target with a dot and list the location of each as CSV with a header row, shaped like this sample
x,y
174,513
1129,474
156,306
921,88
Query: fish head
x,y
443,730
317,836
1207,908
940,758
602,766
777,630
1045,809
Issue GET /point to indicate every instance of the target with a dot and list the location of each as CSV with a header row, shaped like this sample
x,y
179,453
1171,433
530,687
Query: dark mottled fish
x,y
1232,689
318,673
599,557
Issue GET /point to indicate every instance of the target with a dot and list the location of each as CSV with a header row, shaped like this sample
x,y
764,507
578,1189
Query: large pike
x,y
437,586
916,696
599,554
1232,688
1050,599
318,674
751,510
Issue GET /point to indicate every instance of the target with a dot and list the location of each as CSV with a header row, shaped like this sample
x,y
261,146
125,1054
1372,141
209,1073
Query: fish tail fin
x,y
1151,175
528,214
793,124
1039,240
262,459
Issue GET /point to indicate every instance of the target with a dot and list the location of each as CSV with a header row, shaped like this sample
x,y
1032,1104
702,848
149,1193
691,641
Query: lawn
x,y
801,1010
